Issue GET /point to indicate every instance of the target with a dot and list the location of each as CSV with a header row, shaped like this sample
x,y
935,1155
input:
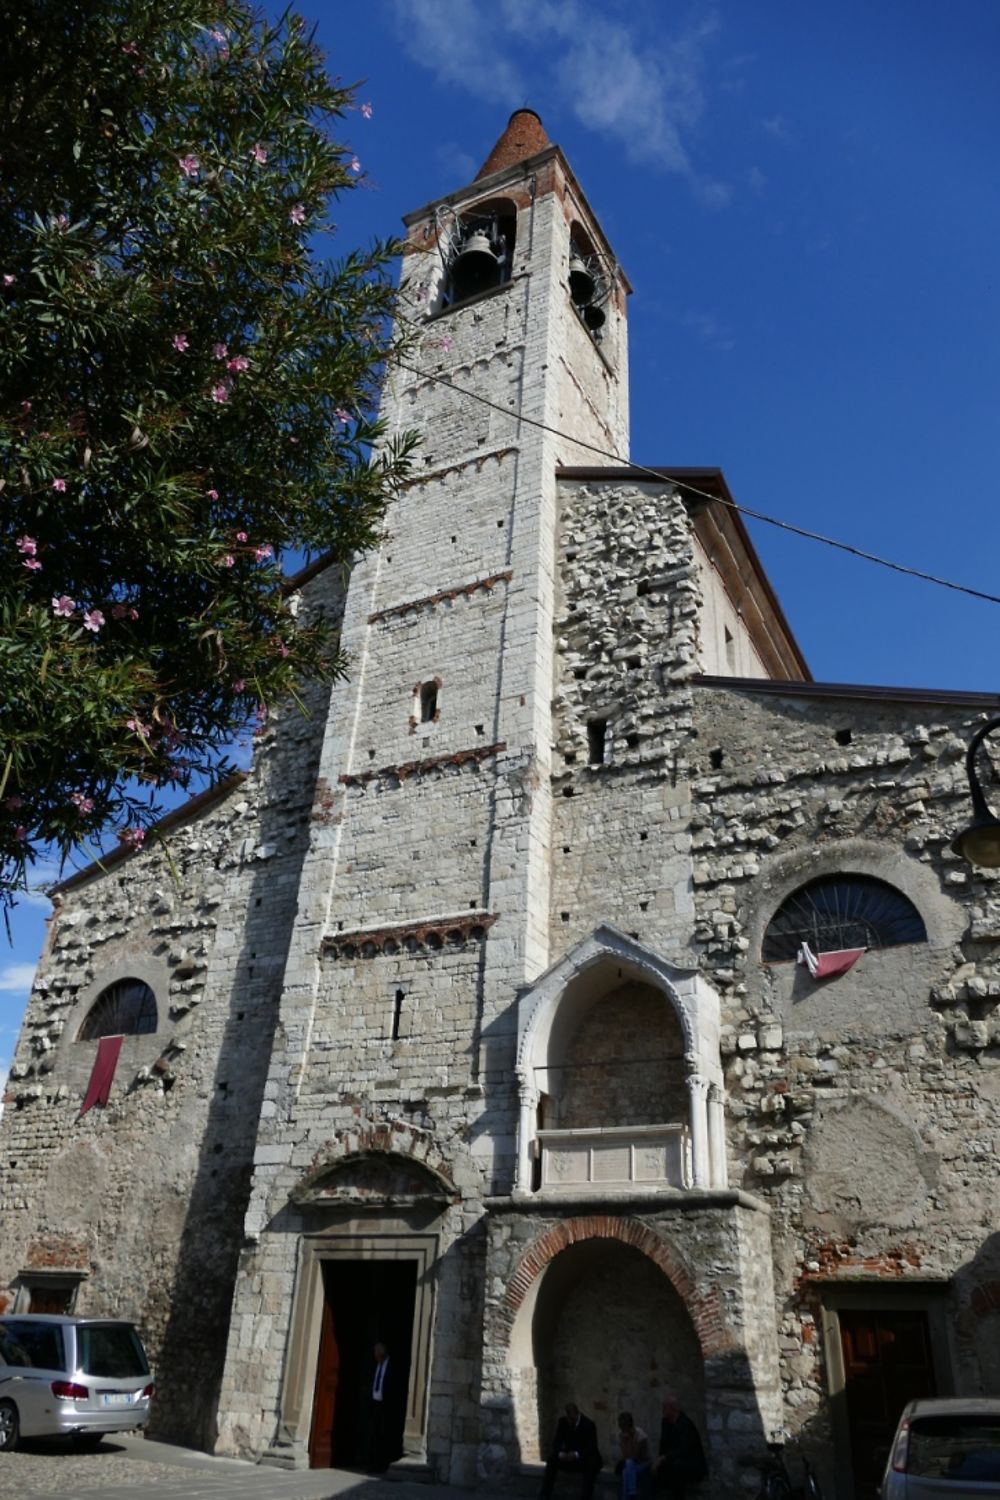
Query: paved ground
x,y
132,1468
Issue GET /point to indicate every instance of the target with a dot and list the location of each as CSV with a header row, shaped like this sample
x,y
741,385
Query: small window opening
x,y
730,648
428,702
564,916
597,738
126,1008
643,836
715,759
642,588
632,741
843,736
397,1014
588,283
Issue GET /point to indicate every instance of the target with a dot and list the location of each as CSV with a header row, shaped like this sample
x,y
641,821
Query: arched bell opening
x,y
588,281
620,1076
607,1330
480,250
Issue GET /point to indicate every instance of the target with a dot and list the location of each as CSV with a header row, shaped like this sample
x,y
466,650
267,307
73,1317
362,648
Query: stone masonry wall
x,y
146,1196
624,1063
866,1110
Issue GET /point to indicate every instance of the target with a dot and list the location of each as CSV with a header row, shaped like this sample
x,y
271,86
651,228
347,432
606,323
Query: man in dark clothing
x,y
682,1458
385,1398
573,1451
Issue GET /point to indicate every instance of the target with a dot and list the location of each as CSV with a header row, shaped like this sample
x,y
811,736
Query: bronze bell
x,y
594,317
582,284
478,266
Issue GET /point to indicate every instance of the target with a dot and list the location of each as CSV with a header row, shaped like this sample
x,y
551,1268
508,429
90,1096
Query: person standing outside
x,y
575,1450
681,1460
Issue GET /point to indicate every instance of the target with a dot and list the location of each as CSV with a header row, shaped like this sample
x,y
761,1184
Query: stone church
x,y
477,1020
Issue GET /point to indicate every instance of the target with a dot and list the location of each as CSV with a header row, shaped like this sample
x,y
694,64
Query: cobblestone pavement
x,y
132,1468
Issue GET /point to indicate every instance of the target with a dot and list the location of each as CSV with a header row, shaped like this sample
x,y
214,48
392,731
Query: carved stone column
x,y
698,1092
717,1136
527,1120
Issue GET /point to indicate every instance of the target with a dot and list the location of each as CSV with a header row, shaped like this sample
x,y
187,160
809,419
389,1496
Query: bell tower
x,y
424,899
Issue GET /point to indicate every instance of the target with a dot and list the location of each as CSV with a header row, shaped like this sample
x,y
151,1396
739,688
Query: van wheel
x,y
86,1442
9,1426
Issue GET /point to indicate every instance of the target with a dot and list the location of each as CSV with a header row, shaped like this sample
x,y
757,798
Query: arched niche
x,y
652,1034
371,1178
491,223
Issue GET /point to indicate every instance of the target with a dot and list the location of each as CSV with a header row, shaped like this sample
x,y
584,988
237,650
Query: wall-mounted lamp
x,y
980,842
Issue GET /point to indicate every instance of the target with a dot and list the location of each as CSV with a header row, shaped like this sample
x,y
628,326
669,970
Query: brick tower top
x,y
524,135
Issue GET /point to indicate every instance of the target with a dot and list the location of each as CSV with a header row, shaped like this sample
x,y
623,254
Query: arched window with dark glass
x,y
836,912
125,1008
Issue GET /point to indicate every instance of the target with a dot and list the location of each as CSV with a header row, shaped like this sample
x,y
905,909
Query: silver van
x,y
78,1377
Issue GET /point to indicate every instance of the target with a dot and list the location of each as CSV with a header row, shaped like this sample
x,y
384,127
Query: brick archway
x,y
379,1138
704,1309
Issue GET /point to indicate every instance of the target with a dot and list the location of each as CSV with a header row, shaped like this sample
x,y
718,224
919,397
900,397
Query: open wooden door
x,y
887,1362
325,1399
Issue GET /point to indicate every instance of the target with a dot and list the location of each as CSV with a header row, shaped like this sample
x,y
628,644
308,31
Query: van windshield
x,y
964,1446
110,1351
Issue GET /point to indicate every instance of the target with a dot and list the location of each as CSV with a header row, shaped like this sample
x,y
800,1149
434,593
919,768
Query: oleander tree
x,y
188,397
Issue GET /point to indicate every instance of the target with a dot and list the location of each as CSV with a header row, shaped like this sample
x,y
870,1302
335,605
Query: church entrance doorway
x,y
887,1362
364,1302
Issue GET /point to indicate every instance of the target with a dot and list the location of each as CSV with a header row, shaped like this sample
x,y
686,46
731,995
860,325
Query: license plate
x,y
116,1398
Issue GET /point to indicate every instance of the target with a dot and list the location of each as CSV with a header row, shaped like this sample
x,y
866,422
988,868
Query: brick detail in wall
x,y
382,1137
413,937
705,1310
394,611
420,767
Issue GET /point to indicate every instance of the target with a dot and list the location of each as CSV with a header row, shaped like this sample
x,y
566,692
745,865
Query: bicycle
x,y
776,1482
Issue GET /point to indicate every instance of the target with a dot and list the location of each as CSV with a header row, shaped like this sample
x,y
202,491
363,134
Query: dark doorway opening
x,y
364,1301
887,1362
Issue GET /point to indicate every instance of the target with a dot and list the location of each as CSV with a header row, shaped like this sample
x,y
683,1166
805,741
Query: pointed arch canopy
x,y
552,1008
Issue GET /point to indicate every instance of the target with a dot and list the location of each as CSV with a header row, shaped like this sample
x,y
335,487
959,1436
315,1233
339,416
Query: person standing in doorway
x,y
385,1410
681,1461
574,1449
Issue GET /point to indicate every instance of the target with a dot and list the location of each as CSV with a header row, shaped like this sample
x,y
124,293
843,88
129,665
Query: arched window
x,y
125,1008
589,282
480,254
841,911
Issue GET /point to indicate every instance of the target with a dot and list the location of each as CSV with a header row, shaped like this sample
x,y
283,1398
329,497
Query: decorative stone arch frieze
x,y
703,1308
696,1005
384,1140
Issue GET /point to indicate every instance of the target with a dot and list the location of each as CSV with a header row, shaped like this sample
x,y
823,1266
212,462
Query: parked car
x,y
79,1377
947,1449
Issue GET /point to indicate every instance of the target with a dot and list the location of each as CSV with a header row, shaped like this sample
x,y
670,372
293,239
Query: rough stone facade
x,y
464,1024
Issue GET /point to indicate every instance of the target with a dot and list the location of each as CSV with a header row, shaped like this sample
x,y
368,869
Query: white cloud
x,y
643,92
17,978
709,330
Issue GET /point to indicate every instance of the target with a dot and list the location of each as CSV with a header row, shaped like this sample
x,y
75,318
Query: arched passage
x,y
602,1324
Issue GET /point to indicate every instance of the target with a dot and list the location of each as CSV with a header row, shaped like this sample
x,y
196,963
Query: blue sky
x,y
805,197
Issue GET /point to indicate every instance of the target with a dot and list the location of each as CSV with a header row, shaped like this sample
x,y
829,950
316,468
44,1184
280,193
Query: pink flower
x,y
297,214
57,484
239,364
27,545
93,620
14,803
82,804
212,494
62,605
241,536
132,838
239,686
21,833
219,351
259,155
229,561
282,649
220,393
341,414
138,727
32,564
8,279
260,712
366,111
133,614
260,553
217,35
180,342
25,406
447,342
354,164
124,612
189,165
131,49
